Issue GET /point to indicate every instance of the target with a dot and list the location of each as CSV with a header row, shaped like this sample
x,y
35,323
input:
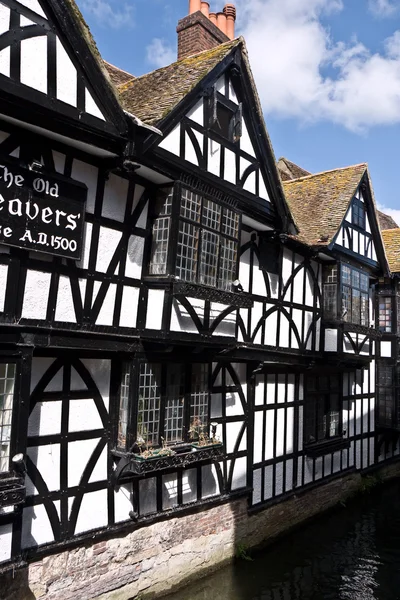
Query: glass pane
x,y
159,246
330,298
209,258
364,310
364,282
187,253
329,274
163,202
355,279
123,406
190,205
346,303
148,423
174,405
356,307
346,275
230,223
7,381
227,265
199,397
211,216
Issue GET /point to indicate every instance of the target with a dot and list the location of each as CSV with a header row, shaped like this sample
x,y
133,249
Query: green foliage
x,y
241,552
369,482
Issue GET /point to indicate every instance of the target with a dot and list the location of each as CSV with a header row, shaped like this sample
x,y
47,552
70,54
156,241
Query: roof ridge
x,y
325,172
233,43
119,68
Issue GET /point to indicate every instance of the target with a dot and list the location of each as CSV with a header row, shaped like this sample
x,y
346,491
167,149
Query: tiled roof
x,y
289,170
319,202
117,76
391,241
153,96
385,221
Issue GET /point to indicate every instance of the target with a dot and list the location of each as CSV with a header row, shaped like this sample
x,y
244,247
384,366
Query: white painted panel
x,y
4,18
280,432
115,195
45,419
239,473
100,370
5,62
87,238
367,225
284,333
358,416
244,270
262,189
257,486
279,479
108,242
83,415
289,430
259,391
297,316
220,85
209,478
243,164
269,434
216,405
190,153
196,113
250,183
301,433
233,404
79,454
189,486
99,472
92,107
372,414
36,295
259,286
232,433
330,340
270,328
214,157
65,306
77,382
87,174
258,436
286,266
289,475
66,89
39,366
245,141
107,310
298,286
34,63
47,461
59,161
3,285
227,326
232,93
172,142
92,519
308,470
148,496
230,166
328,464
129,307
318,467
5,542
36,528
34,5
268,481
356,247
155,305
123,502
271,389
371,451
358,454
386,349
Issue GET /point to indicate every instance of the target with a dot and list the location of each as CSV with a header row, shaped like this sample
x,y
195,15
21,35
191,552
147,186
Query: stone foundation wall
x,y
152,560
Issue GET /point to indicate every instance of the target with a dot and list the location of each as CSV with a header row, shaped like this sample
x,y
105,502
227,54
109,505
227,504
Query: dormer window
x,y
358,213
353,294
223,117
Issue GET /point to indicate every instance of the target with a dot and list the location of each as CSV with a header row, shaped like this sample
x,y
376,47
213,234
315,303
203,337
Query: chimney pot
x,y
194,6
205,9
230,12
221,22
213,18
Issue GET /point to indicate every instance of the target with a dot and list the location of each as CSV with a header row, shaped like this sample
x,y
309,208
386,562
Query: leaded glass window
x,y
207,245
385,314
322,408
330,291
358,213
355,297
7,384
387,396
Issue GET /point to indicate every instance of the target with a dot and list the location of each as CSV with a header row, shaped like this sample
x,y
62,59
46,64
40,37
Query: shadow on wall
x,y
15,586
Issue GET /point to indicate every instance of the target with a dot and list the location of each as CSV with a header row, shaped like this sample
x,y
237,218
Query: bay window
x,y
385,314
168,400
353,297
204,246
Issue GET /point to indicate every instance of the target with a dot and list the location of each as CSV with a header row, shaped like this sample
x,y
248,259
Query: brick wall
x,y
156,558
196,33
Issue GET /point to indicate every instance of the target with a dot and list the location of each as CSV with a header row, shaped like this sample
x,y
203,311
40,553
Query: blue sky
x,y
328,73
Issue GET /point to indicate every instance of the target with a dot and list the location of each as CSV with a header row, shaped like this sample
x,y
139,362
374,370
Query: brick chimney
x,y
202,30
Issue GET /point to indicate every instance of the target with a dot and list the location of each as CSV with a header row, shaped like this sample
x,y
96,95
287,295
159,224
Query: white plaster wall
x,y
245,141
83,415
39,366
239,473
66,89
210,486
171,143
87,174
34,63
5,61
45,419
232,433
35,6
114,200
5,542
36,528
386,349
123,502
257,486
147,496
270,327
196,113
92,107
330,340
214,157
190,154
100,370
47,461
155,306
65,306
134,258
107,310
3,285
129,307
92,519
36,295
108,242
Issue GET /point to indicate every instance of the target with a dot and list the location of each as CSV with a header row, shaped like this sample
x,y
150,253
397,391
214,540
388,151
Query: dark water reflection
x,y
352,554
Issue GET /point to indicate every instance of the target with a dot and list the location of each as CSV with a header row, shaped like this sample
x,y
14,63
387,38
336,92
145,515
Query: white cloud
x,y
383,8
107,14
393,212
159,53
302,72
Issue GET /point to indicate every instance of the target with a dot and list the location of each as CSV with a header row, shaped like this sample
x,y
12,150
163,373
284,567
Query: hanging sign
x,y
41,211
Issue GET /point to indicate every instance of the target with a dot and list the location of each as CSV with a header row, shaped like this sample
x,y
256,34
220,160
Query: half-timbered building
x,y
184,323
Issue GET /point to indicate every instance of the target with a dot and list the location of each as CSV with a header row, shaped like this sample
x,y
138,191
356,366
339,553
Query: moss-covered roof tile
x,y
391,241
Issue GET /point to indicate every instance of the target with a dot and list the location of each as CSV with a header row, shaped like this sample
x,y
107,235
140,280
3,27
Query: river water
x,y
351,554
